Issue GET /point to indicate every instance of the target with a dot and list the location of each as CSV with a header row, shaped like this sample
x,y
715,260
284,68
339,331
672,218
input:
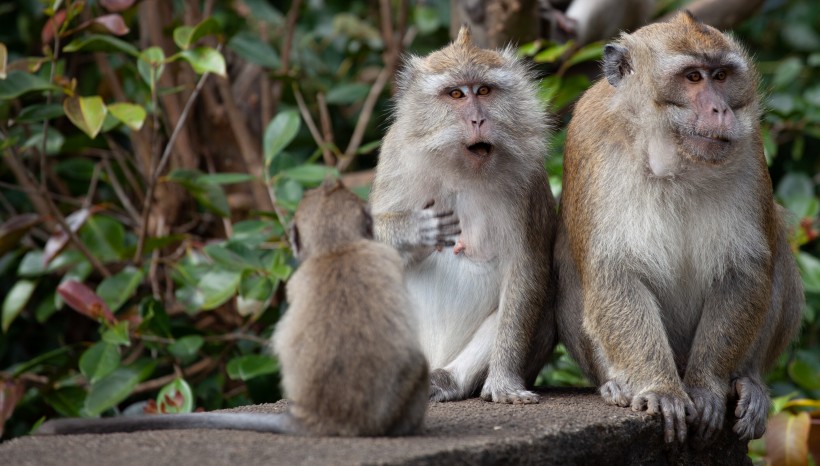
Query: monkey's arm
x,y
416,232
732,317
623,317
258,422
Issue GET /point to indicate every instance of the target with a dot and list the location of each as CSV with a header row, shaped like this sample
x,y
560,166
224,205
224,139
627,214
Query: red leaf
x,y
117,5
47,34
113,24
83,300
13,230
787,439
11,392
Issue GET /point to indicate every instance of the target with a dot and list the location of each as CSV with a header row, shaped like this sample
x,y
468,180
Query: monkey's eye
x,y
719,75
694,76
483,90
456,94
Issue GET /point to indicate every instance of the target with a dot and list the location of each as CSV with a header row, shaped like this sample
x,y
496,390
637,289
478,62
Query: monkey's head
x,y
688,80
472,109
327,218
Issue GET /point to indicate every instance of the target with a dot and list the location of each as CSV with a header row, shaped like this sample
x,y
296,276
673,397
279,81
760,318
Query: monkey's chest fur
x,y
453,294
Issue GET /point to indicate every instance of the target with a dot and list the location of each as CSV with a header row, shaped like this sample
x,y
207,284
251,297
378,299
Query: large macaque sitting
x,y
461,191
678,288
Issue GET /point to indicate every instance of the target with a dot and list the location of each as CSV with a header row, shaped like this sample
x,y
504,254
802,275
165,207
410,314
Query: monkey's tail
x,y
257,422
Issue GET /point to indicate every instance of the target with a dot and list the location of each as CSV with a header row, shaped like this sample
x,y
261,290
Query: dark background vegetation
x,y
153,153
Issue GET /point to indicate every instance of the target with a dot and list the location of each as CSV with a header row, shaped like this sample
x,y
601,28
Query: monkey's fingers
x,y
674,419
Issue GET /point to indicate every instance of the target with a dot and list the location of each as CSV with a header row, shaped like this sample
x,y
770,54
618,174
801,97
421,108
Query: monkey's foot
x,y
710,409
507,393
752,408
672,407
443,386
614,394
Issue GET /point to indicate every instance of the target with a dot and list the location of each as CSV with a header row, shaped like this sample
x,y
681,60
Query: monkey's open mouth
x,y
714,138
480,149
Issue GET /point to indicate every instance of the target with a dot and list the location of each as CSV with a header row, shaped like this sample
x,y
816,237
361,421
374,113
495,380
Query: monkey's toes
x,y
614,394
671,407
752,408
443,386
710,408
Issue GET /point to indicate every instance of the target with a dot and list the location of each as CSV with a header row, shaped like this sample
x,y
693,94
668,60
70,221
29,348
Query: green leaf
x,y
805,370
54,140
105,237
278,266
795,185
110,390
176,397
204,60
18,83
68,401
151,65
279,133
186,347
101,43
289,192
346,94
310,174
251,48
226,178
217,286
787,72
118,334
32,264
185,36
39,112
250,366
154,317
87,113
256,287
233,256
589,52
132,115
427,19
99,360
209,195
809,271
252,233
117,289
16,300
552,54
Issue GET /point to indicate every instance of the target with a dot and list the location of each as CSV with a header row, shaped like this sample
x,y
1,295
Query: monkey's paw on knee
x,y
710,409
671,406
752,408
616,394
443,386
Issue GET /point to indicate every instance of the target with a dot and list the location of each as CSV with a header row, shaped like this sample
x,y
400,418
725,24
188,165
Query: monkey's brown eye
x,y
719,75
694,76
456,94
483,90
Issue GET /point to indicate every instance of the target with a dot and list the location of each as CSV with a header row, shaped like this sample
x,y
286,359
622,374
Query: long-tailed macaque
x,y
678,288
349,354
462,166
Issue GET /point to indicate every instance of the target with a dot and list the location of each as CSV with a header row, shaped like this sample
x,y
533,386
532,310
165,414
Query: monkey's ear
x,y
616,63
464,35
331,183
293,235
368,222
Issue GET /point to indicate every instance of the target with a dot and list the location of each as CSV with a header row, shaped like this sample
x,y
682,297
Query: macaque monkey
x,y
586,21
348,349
460,190
678,288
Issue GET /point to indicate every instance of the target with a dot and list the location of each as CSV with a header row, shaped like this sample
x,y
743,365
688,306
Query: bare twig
x,y
327,130
364,118
202,365
92,187
119,155
311,124
163,162
48,100
290,27
123,197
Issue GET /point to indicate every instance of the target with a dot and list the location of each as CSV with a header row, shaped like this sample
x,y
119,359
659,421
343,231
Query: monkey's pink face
x,y
470,103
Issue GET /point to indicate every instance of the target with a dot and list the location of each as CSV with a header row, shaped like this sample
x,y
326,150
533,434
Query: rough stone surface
x,y
569,426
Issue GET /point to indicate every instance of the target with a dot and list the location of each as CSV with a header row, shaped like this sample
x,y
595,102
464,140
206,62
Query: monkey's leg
x,y
623,316
258,422
524,299
737,303
460,378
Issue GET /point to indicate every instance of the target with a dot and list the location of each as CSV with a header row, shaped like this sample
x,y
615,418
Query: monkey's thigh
x,y
464,375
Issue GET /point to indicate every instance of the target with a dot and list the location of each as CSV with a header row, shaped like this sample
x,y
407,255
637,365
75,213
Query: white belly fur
x,y
452,295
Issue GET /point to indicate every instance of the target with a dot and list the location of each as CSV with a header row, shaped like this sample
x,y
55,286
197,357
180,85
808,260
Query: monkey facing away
x,y
349,354
462,167
678,288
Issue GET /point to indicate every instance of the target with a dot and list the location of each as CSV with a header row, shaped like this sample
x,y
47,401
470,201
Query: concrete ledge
x,y
569,426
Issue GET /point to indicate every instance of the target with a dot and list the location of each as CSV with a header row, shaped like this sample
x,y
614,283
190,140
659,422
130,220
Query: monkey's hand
x,y
425,228
752,408
672,405
500,390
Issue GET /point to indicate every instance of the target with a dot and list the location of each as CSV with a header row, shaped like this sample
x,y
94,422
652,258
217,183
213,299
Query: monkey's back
x,y
348,349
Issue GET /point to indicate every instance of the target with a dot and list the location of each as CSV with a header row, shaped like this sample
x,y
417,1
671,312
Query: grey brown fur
x,y
349,354
678,288
469,135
